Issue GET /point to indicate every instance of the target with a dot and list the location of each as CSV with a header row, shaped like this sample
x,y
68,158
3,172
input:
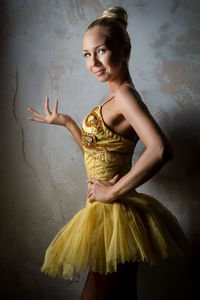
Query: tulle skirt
x,y
135,228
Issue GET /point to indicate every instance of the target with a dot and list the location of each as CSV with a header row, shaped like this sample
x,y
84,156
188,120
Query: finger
x,y
55,108
36,120
115,178
35,113
91,180
90,193
90,196
47,106
91,200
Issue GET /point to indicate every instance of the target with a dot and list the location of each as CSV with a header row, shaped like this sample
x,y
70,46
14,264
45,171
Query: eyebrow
x,y
95,47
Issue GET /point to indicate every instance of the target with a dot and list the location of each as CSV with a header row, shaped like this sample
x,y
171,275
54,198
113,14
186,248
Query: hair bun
x,y
117,13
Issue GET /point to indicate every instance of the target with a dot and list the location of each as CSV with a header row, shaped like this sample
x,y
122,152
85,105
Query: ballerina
x,y
119,227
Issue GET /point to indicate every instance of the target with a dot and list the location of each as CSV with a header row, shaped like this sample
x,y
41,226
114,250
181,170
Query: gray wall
x,y
42,170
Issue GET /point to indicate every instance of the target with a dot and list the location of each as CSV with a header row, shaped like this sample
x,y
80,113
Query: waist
x,y
106,169
107,155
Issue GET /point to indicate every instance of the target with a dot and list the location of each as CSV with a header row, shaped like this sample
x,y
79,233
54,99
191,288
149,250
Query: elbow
x,y
165,153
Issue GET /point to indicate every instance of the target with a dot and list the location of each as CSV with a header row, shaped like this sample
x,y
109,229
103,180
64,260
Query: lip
x,y
100,72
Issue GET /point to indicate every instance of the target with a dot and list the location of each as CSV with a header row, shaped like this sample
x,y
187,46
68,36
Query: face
x,y
103,58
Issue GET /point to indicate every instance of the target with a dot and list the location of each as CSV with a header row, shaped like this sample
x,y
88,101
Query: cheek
x,y
87,63
113,60
107,61
116,61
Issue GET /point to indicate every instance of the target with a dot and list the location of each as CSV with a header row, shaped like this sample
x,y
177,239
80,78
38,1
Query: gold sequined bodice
x,y
105,152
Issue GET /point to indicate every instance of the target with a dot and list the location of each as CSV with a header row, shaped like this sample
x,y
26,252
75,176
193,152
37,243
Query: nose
x,y
95,61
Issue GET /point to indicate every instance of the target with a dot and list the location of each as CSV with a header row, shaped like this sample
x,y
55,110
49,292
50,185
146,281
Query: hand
x,y
101,190
50,117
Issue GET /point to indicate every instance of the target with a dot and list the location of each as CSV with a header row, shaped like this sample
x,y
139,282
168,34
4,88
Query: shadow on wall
x,y
179,279
167,281
186,141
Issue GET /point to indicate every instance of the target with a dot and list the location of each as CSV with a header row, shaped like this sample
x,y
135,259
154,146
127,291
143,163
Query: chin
x,y
103,78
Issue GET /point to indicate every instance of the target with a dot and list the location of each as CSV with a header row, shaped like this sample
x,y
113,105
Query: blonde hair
x,y
115,20
116,13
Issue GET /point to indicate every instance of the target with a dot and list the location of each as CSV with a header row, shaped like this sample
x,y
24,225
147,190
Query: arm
x,y
156,154
58,119
76,132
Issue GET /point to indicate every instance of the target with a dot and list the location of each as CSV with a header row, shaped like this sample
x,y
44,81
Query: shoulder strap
x,y
107,100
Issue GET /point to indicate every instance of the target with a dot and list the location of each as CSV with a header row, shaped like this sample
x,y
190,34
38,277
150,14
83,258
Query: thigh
x,y
89,290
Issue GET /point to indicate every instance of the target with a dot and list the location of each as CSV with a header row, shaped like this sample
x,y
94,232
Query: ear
x,y
126,50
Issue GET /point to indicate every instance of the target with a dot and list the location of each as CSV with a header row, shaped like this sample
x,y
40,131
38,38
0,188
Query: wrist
x,y
113,195
68,124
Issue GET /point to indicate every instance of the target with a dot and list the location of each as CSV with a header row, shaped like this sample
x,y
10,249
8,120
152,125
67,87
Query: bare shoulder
x,y
128,97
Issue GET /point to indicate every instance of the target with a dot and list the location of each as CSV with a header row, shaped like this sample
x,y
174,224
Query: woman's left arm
x,y
158,150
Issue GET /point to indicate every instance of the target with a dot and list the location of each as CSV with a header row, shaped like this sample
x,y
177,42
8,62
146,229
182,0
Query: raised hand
x,y
50,117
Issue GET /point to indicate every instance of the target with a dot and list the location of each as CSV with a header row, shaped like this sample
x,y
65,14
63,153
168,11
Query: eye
x,y
101,50
86,54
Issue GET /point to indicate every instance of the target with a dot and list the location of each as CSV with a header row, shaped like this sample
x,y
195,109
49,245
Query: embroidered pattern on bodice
x,y
97,136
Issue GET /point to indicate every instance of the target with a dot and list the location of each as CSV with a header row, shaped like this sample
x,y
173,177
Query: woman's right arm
x,y
56,118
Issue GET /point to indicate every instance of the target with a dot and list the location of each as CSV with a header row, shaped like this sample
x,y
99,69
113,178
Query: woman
x,y
119,227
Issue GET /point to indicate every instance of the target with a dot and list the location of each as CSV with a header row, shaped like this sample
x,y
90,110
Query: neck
x,y
123,78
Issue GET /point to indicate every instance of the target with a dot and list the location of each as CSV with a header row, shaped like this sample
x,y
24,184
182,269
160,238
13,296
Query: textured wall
x,y
42,171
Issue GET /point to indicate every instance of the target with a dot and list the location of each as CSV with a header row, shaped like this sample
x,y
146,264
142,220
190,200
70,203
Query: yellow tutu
x,y
136,227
